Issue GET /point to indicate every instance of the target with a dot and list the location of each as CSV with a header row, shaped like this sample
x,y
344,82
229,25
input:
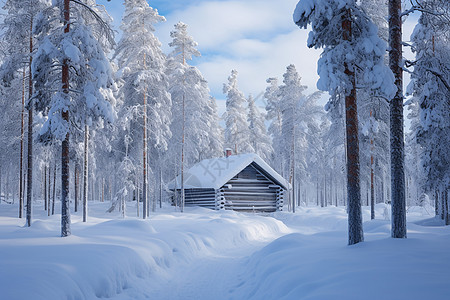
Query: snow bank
x,y
116,258
205,254
320,265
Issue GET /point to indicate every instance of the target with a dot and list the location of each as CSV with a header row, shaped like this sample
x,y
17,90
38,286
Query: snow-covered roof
x,y
214,173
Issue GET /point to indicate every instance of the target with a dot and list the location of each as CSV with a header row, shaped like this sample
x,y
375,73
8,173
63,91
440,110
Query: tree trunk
x,y
45,189
30,133
22,125
396,117
445,195
335,192
372,187
7,187
182,158
48,191
85,172
160,187
317,192
77,185
137,195
144,156
1,180
355,229
436,203
65,211
54,189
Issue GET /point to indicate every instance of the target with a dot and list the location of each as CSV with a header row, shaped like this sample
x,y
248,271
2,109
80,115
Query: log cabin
x,y
235,182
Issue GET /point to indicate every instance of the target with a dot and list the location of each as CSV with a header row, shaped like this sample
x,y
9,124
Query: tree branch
x,y
441,77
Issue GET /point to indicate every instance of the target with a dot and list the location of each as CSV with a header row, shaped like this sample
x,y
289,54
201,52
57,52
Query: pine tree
x,y
237,131
274,115
216,134
258,133
190,96
291,96
349,39
77,43
142,68
431,90
396,122
374,116
19,38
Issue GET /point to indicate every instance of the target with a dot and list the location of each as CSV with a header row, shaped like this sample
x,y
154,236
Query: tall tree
x,y
349,39
430,87
144,91
192,134
396,122
374,118
258,133
291,97
18,35
237,131
274,115
77,43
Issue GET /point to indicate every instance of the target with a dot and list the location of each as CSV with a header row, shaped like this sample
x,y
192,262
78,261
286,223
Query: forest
x,y
102,125
89,116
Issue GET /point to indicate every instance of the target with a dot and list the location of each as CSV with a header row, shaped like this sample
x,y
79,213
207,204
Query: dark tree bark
x,y
54,189
396,117
48,191
45,189
22,125
445,195
65,211
436,203
30,134
76,185
355,229
85,172
372,188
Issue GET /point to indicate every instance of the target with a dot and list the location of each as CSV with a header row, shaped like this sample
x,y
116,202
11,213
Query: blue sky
x,y
256,37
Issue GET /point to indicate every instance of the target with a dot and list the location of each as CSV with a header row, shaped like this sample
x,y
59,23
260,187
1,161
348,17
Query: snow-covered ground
x,y
204,254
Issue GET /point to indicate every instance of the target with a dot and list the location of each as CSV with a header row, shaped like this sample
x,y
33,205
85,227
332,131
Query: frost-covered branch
x,y
106,28
440,76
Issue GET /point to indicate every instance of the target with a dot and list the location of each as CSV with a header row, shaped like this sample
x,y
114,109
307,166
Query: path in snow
x,y
204,254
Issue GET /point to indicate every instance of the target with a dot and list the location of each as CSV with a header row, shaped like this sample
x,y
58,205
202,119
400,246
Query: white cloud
x,y
257,38
215,23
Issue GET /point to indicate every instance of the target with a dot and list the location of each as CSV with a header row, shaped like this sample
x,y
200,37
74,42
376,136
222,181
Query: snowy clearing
x,y
205,254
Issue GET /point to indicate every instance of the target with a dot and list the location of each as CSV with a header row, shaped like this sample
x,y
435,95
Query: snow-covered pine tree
x,y
413,156
194,135
349,39
75,37
237,132
274,115
290,97
145,94
431,87
259,139
19,41
310,131
335,145
374,117
216,133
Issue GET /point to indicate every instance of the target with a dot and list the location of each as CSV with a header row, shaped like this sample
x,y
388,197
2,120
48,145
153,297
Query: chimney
x,y
228,152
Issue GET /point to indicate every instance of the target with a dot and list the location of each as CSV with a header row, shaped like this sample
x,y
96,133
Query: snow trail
x,y
204,254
